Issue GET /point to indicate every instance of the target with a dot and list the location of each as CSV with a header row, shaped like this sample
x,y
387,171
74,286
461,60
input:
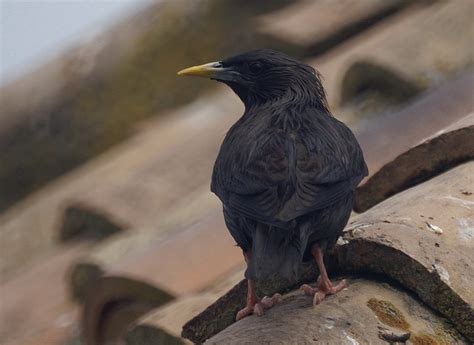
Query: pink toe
x,y
266,302
308,290
243,313
277,298
258,309
318,297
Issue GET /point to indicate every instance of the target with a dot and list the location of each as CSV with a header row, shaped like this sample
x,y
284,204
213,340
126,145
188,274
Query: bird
x,y
285,173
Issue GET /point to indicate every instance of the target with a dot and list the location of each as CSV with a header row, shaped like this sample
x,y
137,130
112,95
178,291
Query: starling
x,y
286,171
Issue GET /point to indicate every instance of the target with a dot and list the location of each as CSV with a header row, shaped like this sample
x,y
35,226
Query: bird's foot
x,y
324,289
259,306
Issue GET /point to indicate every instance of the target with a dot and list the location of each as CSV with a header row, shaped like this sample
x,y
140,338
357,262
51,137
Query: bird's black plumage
x,y
287,169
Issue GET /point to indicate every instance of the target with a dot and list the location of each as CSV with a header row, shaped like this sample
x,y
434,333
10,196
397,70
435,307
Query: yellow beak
x,y
207,70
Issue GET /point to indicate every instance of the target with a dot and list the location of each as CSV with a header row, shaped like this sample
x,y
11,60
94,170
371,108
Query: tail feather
x,y
277,252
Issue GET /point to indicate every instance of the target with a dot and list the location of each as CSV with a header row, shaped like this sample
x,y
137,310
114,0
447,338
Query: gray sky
x,y
31,31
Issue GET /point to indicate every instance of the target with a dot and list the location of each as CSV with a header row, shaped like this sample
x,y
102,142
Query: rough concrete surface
x,y
450,147
171,317
362,314
309,23
424,239
166,322
37,305
156,262
393,133
114,304
434,52
155,265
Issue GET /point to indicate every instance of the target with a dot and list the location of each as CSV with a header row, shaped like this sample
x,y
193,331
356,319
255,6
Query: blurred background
x,y
106,155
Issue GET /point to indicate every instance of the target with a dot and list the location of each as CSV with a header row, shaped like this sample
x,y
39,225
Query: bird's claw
x,y
308,290
318,297
269,302
259,307
323,290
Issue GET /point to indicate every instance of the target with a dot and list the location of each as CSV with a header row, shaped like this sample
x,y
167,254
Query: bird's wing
x,y
286,175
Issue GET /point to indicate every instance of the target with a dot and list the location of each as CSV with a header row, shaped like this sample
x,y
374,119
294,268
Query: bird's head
x,y
260,76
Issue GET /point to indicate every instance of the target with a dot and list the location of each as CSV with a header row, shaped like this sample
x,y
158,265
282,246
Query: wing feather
x,y
275,176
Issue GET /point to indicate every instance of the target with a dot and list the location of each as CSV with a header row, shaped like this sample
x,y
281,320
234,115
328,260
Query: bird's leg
x,y
325,286
256,305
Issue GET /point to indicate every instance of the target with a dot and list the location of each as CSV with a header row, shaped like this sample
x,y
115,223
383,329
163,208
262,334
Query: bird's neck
x,y
291,100
302,93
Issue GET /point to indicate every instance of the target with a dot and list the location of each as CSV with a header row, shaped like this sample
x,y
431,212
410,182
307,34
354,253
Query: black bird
x,y
286,171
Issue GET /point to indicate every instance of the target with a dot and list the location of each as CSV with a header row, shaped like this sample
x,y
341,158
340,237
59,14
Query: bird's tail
x,y
277,252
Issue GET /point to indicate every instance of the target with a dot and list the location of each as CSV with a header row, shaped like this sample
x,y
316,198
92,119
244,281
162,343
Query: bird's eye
x,y
255,67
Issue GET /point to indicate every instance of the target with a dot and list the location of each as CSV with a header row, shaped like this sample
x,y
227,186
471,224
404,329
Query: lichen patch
x,y
388,313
